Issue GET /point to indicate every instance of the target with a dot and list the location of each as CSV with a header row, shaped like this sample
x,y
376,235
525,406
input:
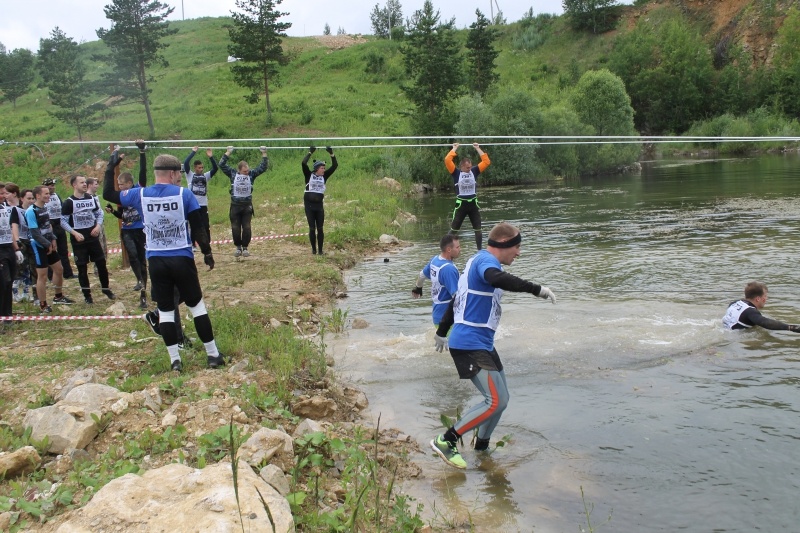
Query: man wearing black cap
x,y
241,212
166,207
476,312
54,210
314,194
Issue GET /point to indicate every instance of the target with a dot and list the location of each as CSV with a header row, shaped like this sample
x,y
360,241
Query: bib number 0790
x,y
166,206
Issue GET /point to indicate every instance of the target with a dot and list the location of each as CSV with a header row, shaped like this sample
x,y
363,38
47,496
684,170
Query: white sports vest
x,y
164,222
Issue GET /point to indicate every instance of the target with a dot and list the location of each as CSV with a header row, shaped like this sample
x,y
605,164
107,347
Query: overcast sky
x,y
23,26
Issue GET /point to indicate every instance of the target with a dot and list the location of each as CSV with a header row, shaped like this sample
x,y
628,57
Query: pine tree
x,y
17,74
481,54
596,16
256,41
434,68
64,74
138,26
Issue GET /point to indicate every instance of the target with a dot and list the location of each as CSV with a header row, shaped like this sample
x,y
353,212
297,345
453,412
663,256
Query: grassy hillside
x,y
325,91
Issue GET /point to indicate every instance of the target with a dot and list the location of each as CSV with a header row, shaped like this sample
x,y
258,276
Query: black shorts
x,y
43,259
88,250
170,273
470,362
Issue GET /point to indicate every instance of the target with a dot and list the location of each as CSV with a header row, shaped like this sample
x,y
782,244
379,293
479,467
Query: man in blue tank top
x,y
476,312
443,274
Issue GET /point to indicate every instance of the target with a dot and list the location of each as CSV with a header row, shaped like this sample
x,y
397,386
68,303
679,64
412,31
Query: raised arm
x,y
214,167
448,159
334,163
109,194
485,162
262,166
142,163
223,163
188,160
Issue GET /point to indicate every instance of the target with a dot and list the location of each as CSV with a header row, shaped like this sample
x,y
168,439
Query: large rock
x,y
388,239
19,462
183,499
389,183
80,377
69,423
268,446
316,407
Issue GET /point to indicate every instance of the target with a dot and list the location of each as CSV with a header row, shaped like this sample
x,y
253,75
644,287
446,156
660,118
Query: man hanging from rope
x,y
241,212
314,194
465,181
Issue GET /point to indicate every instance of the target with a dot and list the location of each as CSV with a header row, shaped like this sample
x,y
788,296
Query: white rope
x,y
535,139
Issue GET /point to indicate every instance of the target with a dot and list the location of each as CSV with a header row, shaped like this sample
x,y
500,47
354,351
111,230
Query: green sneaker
x,y
448,452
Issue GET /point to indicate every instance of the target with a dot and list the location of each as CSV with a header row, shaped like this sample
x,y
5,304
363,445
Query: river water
x,y
628,389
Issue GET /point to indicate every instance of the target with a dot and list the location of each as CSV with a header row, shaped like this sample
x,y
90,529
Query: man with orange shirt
x,y
465,181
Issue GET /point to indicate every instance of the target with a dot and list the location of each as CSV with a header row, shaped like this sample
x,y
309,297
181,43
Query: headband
x,y
510,243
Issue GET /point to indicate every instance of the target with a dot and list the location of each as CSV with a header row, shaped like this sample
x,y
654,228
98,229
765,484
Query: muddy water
x,y
628,389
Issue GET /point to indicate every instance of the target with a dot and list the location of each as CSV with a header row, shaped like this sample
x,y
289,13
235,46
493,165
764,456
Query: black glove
x,y
141,145
311,149
417,291
794,328
208,259
329,150
109,209
115,159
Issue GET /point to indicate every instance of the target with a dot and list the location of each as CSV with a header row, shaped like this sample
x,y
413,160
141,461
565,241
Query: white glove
x,y
20,257
547,294
230,149
441,343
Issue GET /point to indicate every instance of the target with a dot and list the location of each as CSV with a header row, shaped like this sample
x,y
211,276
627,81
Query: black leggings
x,y
241,215
134,242
8,271
315,214
468,208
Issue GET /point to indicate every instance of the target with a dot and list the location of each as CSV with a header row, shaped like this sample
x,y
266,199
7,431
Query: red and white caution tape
x,y
49,318
224,241
268,237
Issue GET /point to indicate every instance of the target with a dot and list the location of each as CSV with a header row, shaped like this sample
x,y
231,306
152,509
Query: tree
x,y
600,101
594,15
138,26
481,54
667,70
385,19
16,74
256,40
786,64
434,68
64,74
326,30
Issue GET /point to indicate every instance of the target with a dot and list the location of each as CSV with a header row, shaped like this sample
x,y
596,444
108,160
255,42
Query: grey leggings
x,y
486,414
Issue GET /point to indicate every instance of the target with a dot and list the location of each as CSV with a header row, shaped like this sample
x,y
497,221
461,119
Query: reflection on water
x,y
628,388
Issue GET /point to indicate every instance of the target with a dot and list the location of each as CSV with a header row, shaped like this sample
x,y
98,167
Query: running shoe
x,y
138,286
216,362
448,452
152,320
111,295
63,300
177,366
238,251
46,310
89,300
142,301
245,253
